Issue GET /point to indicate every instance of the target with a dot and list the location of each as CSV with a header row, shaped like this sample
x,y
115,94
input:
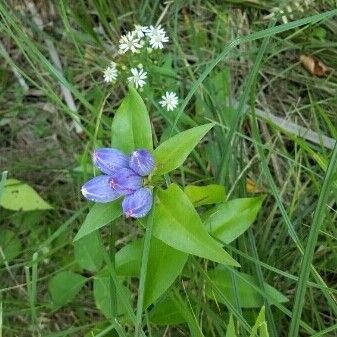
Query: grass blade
x,y
311,244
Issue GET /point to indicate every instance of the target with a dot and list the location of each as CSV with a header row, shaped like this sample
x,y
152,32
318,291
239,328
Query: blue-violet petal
x,y
126,181
99,189
109,160
142,162
138,204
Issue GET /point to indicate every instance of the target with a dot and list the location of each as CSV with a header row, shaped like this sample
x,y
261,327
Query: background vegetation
x,y
236,85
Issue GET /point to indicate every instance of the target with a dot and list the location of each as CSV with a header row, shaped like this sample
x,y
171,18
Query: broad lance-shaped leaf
x,y
104,297
18,196
230,332
232,218
89,252
172,153
64,286
99,216
166,312
177,223
260,328
131,127
246,285
10,245
129,259
164,266
205,195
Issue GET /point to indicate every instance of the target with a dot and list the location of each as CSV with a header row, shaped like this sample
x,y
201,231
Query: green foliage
x,y
104,297
165,312
165,264
18,196
64,286
88,252
177,223
128,259
230,332
247,294
99,215
260,328
201,66
205,195
10,245
232,218
172,153
131,127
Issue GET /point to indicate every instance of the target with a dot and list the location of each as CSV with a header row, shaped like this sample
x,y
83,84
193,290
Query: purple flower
x,y
142,162
109,161
126,181
138,204
99,189
123,177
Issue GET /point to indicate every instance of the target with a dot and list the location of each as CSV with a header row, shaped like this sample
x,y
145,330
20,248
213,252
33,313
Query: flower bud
x,y
126,181
138,204
110,160
142,162
99,189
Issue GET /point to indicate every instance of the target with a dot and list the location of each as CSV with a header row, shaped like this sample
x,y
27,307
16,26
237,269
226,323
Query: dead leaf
x,y
314,66
252,187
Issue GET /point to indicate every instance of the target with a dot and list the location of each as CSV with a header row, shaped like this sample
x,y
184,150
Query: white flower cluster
x,y
133,41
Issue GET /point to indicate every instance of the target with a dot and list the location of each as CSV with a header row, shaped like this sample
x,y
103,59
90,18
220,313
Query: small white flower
x,y
155,30
169,100
138,77
140,31
157,37
110,73
129,42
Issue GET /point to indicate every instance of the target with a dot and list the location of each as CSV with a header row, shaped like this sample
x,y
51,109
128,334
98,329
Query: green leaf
x,y
99,216
232,218
164,265
64,286
128,259
177,223
88,252
205,195
10,245
99,329
102,295
231,328
18,196
165,312
131,127
172,153
260,328
248,296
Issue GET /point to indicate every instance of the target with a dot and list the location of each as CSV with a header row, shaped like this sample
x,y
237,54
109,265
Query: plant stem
x,y
143,273
112,253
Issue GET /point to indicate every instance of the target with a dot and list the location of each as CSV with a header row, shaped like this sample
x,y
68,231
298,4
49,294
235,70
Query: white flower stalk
x,y
138,77
169,100
140,31
157,37
130,42
110,73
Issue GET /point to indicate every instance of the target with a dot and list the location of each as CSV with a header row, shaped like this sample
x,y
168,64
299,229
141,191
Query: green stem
x,y
112,254
143,273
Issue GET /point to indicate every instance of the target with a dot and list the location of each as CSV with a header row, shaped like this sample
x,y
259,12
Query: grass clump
x,y
233,63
